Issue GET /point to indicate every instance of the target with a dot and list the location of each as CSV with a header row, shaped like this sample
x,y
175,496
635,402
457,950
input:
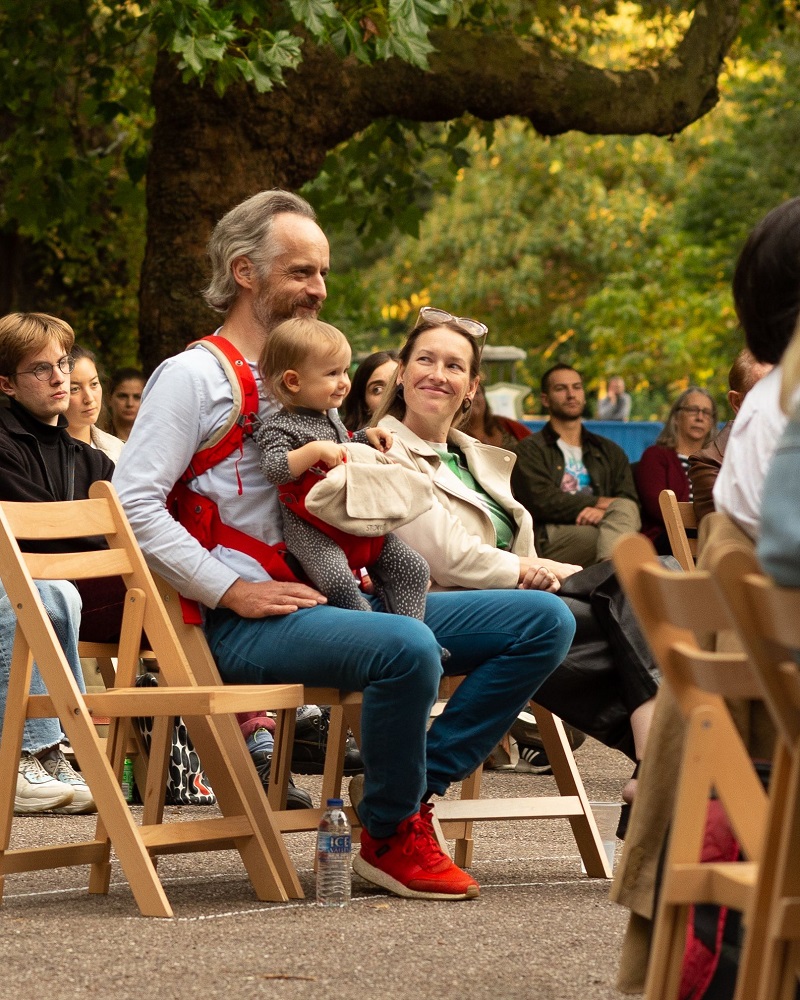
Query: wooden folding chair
x,y
676,611
345,712
767,618
247,823
679,520
457,816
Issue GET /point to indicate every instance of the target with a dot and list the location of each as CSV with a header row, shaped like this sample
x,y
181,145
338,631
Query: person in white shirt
x,y
766,293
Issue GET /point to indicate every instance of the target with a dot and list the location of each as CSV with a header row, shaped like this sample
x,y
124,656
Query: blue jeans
x,y
507,642
63,605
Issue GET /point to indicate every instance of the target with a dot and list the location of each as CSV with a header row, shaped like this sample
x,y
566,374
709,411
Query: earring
x,y
466,406
398,389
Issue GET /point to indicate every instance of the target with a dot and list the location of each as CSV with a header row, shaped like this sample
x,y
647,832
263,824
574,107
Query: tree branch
x,y
208,153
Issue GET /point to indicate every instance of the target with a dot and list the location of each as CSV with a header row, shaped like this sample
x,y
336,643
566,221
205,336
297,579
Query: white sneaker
x,y
57,765
38,791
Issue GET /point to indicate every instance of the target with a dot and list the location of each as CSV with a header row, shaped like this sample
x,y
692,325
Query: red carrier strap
x,y
200,515
243,416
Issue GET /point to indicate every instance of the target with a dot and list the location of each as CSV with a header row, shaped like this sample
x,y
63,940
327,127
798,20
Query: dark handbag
x,y
609,670
187,784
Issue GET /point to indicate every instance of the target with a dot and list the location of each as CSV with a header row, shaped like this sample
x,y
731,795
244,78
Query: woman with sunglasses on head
x,y
690,427
476,536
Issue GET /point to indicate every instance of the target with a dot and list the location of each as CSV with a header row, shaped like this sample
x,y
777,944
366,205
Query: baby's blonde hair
x,y
289,345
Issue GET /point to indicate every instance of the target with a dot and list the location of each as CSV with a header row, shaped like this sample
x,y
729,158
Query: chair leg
x,y
755,946
281,758
334,756
569,783
778,968
465,845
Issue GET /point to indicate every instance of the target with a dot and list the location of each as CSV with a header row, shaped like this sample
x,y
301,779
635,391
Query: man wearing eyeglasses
x,y
577,485
269,262
40,462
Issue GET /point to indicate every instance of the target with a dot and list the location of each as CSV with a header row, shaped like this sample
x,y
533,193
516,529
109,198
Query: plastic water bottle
x,y
333,856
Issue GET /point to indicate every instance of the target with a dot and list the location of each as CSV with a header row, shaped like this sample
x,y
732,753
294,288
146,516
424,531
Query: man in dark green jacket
x,y
577,485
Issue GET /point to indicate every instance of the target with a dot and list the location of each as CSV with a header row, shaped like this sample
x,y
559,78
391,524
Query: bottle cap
x,y
335,803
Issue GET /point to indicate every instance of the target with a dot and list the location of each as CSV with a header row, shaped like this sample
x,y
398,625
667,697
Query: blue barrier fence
x,y
633,437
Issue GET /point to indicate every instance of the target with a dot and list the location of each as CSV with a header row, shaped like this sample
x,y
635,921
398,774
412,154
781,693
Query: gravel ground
x,y
540,928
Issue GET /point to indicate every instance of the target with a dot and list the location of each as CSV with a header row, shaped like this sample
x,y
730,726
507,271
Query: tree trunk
x,y
209,153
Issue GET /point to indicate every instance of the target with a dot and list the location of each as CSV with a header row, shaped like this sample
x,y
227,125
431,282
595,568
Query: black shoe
x,y
311,743
625,811
296,798
533,760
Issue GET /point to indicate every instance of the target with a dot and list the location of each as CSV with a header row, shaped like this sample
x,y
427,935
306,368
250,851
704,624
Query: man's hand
x,y
590,515
270,597
604,502
380,439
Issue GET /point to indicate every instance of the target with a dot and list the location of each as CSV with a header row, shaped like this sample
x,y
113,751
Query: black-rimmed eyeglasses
x,y
44,370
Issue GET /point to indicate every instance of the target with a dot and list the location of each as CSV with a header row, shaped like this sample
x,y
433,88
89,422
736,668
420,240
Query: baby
x,y
304,365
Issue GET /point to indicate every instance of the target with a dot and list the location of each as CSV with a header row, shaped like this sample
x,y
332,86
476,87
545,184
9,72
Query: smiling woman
x,y
476,536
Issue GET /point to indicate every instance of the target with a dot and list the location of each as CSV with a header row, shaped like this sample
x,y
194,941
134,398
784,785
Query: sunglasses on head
x,y
428,314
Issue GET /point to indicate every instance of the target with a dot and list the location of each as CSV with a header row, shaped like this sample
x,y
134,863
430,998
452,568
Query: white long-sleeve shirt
x,y
748,454
184,401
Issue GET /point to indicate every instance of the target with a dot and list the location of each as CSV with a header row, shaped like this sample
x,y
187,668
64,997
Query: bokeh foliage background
x,y
614,252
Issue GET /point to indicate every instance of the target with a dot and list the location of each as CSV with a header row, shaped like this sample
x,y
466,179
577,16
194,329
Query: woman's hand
x,y
561,570
380,439
539,578
535,574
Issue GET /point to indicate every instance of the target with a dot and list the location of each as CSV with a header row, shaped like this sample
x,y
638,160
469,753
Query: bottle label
x,y
335,843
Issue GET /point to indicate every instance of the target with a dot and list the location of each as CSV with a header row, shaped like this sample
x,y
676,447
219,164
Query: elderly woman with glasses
x,y
690,427
476,536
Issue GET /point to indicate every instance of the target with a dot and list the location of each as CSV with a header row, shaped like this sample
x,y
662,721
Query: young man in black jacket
x,y
39,461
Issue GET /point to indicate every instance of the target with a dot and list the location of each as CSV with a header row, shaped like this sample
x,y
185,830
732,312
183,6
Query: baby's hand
x,y
331,453
379,438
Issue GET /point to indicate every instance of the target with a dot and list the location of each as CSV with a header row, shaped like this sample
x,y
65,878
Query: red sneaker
x,y
410,863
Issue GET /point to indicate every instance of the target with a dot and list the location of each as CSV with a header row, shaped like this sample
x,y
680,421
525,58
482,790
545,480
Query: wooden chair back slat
x,y
679,519
62,519
78,565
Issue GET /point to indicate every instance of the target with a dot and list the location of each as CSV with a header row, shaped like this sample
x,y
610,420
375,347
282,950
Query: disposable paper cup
x,y
606,815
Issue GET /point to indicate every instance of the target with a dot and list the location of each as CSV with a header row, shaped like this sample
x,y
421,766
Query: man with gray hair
x,y
270,260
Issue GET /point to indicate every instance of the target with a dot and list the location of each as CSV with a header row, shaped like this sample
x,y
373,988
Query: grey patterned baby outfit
x,y
400,574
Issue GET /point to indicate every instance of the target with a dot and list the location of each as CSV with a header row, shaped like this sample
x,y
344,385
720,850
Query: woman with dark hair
x,y
86,405
124,399
502,432
476,536
690,426
366,389
766,293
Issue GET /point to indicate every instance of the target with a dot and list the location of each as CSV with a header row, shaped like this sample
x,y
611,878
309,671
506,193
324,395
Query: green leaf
x,y
316,15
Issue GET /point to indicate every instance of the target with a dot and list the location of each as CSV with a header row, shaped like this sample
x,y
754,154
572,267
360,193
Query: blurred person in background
x,y
502,432
616,404
124,399
366,389
86,405
691,424
704,465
